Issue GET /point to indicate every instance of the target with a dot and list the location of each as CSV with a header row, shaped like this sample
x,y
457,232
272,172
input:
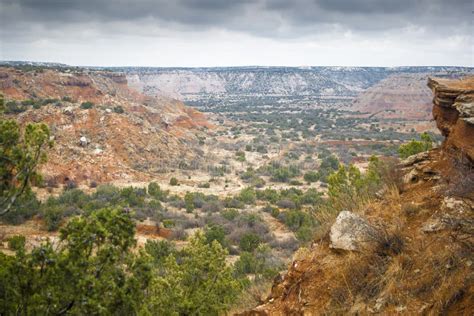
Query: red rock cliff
x,y
453,111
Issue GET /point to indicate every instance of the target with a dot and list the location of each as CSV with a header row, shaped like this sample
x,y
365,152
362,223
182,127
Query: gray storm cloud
x,y
196,22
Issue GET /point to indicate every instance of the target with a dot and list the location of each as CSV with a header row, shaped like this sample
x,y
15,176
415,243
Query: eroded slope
x,y
124,135
421,259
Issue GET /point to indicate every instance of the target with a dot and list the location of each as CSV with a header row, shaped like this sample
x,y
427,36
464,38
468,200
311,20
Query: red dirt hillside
x,y
398,96
103,143
421,232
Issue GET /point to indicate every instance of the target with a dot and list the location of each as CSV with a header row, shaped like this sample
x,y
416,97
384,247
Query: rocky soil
x,y
419,258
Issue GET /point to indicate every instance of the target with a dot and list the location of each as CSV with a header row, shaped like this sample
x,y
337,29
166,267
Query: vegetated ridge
x,y
375,90
408,251
103,130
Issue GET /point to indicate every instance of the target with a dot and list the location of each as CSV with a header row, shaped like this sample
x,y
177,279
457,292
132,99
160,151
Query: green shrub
x,y
230,214
53,216
189,202
258,182
247,195
12,107
159,250
118,109
205,185
311,197
248,175
304,233
212,206
25,207
295,219
155,191
49,101
269,195
311,176
87,105
197,283
168,223
249,242
231,202
28,102
240,156
217,233
133,196
295,182
246,264
414,146
17,242
262,149
107,194
286,204
348,188
174,181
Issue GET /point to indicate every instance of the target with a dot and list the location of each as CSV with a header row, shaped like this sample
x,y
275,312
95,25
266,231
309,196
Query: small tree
x,y
189,202
21,152
217,233
155,191
249,242
199,283
416,146
92,269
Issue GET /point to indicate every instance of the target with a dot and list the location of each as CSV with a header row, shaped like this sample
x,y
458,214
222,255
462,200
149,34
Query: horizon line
x,y
61,64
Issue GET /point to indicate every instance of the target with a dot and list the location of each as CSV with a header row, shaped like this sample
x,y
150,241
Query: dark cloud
x,y
258,17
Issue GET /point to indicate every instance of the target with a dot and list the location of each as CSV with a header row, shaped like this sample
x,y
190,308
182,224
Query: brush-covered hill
x,y
102,129
410,250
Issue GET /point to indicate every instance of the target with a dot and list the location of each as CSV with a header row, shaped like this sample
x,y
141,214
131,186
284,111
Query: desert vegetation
x,y
209,235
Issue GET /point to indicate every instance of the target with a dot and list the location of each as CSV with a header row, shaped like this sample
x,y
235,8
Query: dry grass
x,y
407,271
252,296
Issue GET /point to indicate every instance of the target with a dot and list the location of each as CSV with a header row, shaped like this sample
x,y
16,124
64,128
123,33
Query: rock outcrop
x,y
453,111
351,232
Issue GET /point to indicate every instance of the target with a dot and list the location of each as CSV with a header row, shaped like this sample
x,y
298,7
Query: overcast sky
x,y
237,33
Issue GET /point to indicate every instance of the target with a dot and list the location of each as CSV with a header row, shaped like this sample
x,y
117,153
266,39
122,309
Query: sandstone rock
x,y
450,203
453,111
414,159
351,232
465,105
68,110
411,177
433,225
83,141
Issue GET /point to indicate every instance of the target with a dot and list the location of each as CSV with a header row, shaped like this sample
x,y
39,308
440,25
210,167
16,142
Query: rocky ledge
x,y
453,111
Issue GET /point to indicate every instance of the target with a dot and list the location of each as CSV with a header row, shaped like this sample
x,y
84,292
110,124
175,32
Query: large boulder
x,y
352,232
